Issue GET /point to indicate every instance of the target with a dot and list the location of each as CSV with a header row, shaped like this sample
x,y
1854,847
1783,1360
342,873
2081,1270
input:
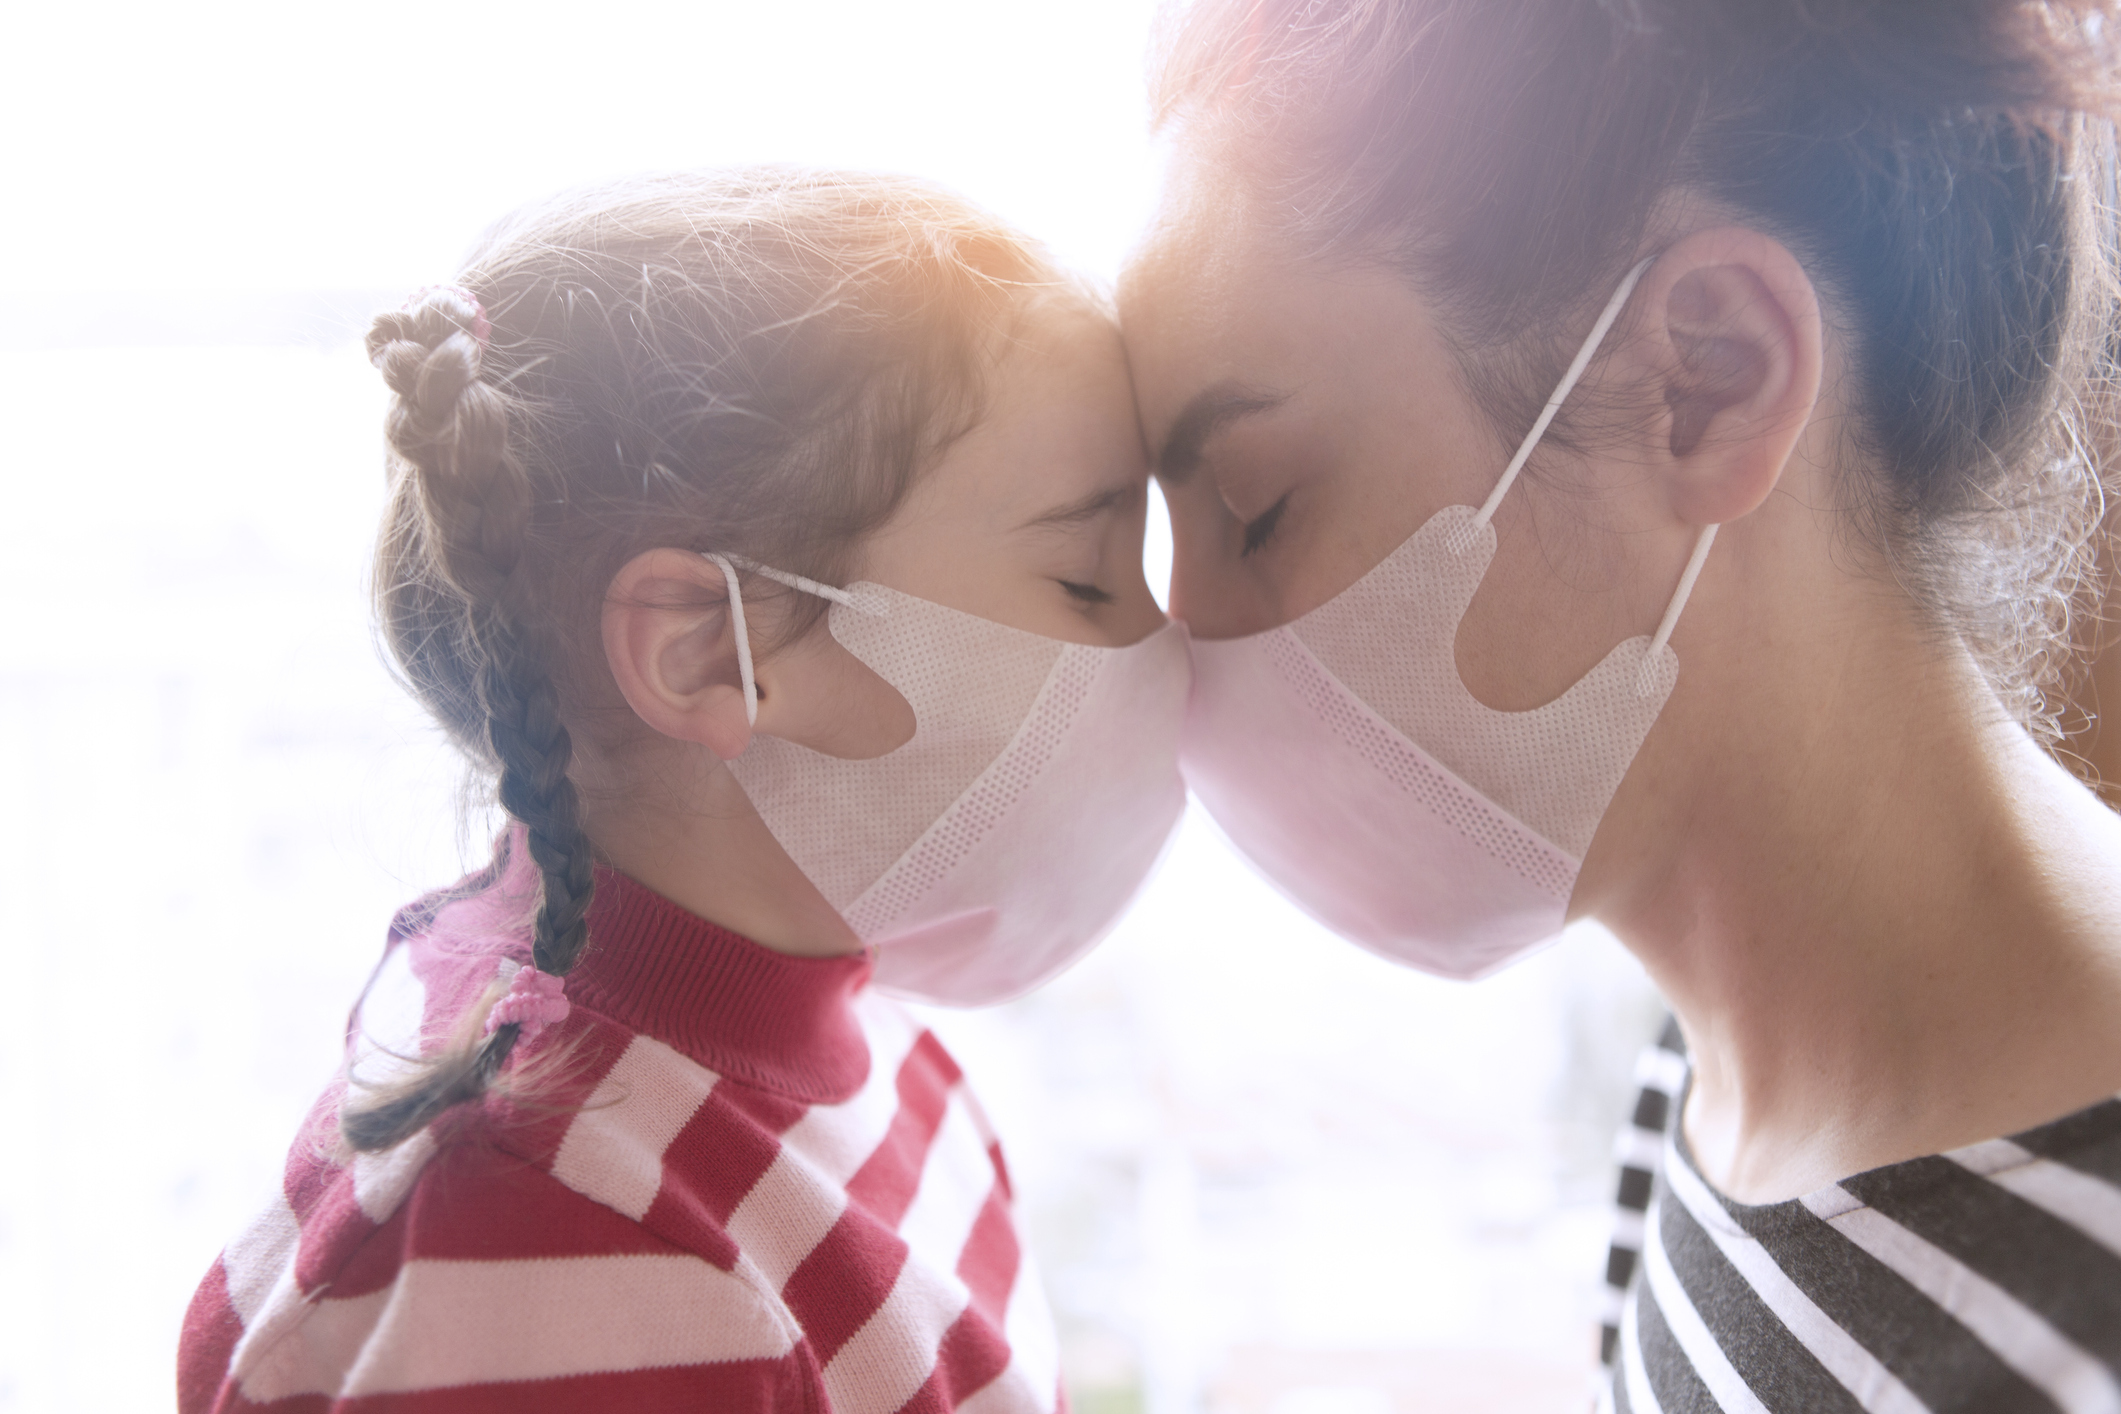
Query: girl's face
x,y
1034,517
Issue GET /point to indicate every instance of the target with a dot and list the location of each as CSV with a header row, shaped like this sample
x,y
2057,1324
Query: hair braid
x,y
534,749
472,504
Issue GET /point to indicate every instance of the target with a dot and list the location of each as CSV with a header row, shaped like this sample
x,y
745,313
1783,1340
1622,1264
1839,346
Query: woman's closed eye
x,y
1260,529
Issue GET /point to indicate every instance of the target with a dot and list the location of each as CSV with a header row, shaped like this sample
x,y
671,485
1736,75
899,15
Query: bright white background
x,y
1266,1172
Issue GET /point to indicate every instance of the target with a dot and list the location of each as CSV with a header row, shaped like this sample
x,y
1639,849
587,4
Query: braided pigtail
x,y
462,513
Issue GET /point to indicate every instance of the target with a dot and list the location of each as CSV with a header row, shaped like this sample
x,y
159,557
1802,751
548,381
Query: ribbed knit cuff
x,y
781,1023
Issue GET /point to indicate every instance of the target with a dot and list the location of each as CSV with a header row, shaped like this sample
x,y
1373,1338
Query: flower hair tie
x,y
533,1002
480,329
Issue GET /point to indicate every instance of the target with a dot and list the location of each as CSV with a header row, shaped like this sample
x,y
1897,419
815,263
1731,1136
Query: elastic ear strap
x,y
796,581
1670,620
1599,330
743,637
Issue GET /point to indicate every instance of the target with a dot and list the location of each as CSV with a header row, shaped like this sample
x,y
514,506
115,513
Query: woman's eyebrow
x,y
1210,411
1082,509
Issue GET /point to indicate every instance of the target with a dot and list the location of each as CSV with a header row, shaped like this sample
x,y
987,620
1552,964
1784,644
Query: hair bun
x,y
430,350
431,313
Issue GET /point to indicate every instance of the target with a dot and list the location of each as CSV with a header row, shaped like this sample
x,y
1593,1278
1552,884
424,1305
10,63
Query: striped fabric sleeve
x,y
497,1286
1660,1072
1931,1286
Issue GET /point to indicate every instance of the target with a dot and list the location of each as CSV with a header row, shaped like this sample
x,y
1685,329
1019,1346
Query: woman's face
x,y
1304,421
1306,418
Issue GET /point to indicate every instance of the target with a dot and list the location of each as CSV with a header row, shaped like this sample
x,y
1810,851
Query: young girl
x,y
773,541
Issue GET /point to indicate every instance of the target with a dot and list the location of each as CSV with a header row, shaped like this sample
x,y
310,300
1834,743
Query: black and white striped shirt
x,y
1986,1279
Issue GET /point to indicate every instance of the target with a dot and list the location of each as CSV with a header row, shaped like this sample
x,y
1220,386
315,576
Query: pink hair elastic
x,y
533,1002
481,327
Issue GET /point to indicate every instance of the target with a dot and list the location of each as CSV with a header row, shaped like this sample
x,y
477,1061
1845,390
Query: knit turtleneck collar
x,y
782,1023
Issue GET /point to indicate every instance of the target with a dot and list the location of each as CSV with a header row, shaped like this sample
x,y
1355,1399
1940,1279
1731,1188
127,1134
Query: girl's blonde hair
x,y
758,361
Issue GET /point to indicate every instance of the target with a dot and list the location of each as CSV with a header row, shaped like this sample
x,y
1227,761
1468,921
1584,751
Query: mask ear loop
x,y
1567,385
1645,680
793,581
728,564
743,637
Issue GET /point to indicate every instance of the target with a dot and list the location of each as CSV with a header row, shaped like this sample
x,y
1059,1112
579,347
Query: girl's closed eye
x,y
1078,532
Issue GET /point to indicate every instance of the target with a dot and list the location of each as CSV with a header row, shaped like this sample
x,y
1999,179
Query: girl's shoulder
x,y
515,1250
457,1263
720,1183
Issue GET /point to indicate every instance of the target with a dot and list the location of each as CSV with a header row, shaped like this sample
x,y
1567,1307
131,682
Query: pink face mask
x,y
1000,843
1344,756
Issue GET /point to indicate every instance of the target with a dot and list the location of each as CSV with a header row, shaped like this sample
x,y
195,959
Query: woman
x,y
1833,277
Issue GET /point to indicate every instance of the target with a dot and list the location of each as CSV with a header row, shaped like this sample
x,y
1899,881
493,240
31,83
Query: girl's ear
x,y
671,646
1732,338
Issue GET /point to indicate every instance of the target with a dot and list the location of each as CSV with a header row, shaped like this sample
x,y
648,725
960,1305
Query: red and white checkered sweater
x,y
745,1183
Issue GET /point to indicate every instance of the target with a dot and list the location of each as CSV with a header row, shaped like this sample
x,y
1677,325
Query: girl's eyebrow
x,y
1075,512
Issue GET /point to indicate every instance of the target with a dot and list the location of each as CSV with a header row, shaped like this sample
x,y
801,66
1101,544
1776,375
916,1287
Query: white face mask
x,y
1343,754
1003,840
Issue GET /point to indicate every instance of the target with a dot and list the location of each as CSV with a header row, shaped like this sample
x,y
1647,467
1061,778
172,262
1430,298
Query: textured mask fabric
x,y
970,683
1357,825
1391,639
1346,757
1031,866
1006,836
1387,752
944,845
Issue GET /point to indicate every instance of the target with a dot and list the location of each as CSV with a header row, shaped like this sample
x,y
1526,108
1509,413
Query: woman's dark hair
x,y
758,361
1942,168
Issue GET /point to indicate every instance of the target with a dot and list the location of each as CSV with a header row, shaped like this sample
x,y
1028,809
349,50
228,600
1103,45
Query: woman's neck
x,y
1889,924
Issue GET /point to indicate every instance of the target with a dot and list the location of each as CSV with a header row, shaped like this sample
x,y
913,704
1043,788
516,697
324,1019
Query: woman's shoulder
x,y
2032,1219
1985,1277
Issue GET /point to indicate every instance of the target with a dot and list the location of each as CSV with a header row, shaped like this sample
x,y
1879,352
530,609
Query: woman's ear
x,y
1733,339
671,646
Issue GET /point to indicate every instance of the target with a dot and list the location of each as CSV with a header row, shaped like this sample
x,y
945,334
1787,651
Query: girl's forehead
x,y
1057,424
1060,365
1056,323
